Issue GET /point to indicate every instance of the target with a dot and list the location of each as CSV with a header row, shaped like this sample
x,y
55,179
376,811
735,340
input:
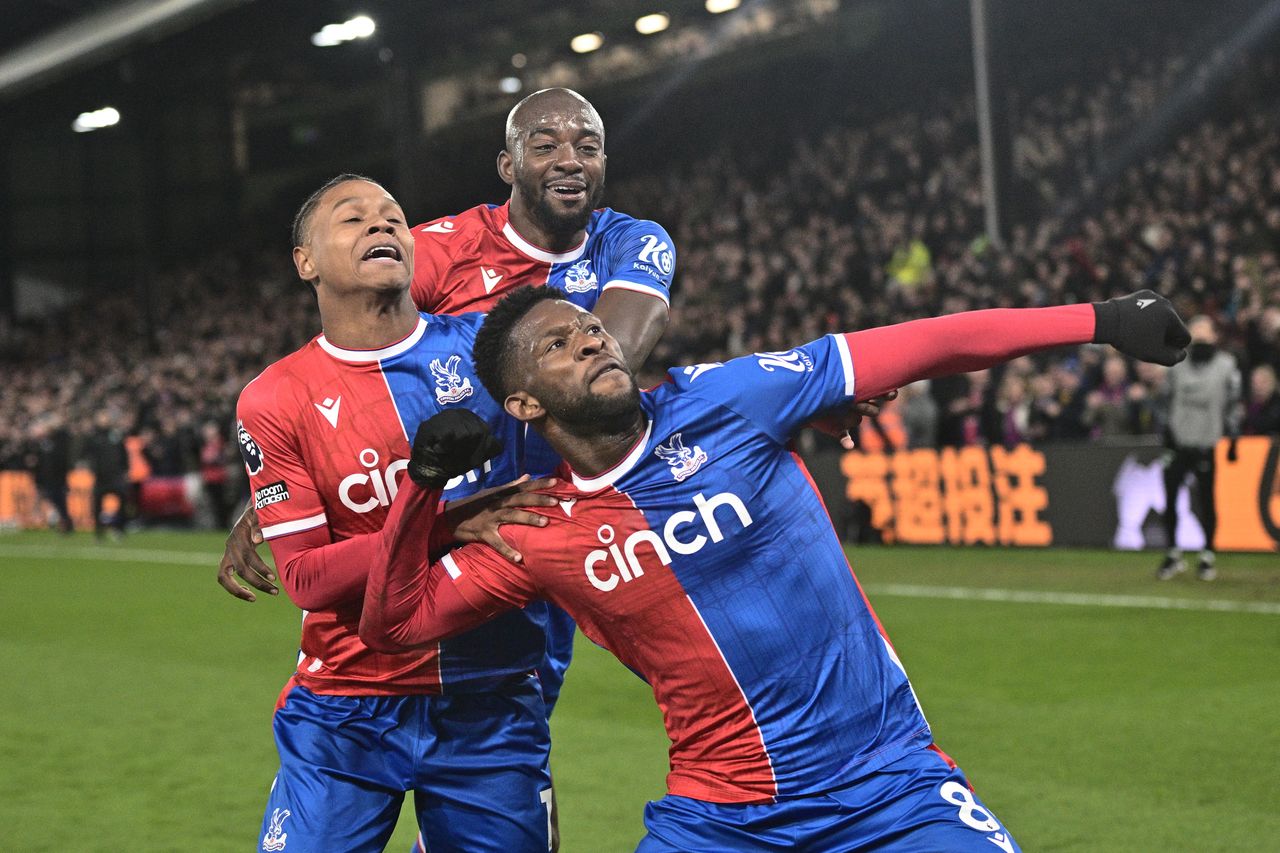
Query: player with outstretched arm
x,y
689,541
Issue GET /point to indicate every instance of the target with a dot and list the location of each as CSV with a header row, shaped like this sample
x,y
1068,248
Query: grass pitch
x,y
1092,708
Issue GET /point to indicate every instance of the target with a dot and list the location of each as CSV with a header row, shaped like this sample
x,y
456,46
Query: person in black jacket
x,y
105,452
49,460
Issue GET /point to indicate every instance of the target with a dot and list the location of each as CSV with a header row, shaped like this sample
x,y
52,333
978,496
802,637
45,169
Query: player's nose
x,y
567,158
588,344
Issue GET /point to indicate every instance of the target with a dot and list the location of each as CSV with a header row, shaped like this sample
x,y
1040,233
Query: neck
x,y
528,227
367,320
592,454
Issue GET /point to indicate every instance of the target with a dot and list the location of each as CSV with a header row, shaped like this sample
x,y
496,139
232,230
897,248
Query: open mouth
x,y
385,254
568,190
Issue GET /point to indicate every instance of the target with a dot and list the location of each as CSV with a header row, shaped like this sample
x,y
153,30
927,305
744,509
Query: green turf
x,y
137,697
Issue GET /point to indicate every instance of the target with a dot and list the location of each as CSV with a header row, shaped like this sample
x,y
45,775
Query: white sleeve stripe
x,y
451,566
846,361
638,288
298,525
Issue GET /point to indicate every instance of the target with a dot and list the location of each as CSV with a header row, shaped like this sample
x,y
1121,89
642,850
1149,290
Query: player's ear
x,y
506,167
303,263
523,406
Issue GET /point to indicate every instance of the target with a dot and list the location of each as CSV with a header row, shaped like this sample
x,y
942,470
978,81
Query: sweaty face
x,y
357,239
575,369
559,162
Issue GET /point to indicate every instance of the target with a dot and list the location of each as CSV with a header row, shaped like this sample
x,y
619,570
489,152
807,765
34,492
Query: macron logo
x,y
491,279
329,408
444,227
1143,303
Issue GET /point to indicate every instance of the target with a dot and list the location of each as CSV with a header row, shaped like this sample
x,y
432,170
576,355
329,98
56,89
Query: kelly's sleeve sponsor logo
x,y
272,494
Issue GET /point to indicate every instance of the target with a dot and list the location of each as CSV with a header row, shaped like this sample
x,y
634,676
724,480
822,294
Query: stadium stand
x,y
862,221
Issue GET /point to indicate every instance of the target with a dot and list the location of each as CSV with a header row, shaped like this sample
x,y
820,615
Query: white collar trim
x,y
543,255
364,356
617,472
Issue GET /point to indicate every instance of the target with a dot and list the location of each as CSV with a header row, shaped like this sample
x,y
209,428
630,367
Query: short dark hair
x,y
491,354
302,219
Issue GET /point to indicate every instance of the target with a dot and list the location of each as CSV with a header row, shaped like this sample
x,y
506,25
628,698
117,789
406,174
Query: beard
x,y
587,414
558,221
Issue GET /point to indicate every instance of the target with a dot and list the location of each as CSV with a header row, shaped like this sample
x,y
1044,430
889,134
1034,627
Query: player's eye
x,y
594,330
352,219
588,149
556,344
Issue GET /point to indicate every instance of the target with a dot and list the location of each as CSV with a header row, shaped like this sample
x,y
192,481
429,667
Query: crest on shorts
x,y
684,461
450,387
579,278
276,837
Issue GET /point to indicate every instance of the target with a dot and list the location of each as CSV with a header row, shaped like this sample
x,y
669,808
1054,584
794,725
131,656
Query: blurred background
x,y
822,165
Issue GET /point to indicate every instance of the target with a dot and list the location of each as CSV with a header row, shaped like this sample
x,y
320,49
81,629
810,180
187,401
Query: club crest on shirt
x,y
275,837
450,387
684,461
249,450
579,278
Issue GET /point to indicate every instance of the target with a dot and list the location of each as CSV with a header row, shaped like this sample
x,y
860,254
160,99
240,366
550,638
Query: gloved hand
x,y
1143,325
448,444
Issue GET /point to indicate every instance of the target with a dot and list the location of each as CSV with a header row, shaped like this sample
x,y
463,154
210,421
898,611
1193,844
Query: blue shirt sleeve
x,y
642,257
777,391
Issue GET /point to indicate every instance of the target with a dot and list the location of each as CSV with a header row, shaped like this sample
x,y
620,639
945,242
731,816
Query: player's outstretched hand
x,y
1143,325
448,444
241,558
840,423
477,518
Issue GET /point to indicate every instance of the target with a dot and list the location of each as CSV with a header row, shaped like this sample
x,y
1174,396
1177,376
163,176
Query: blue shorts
x,y
476,763
919,803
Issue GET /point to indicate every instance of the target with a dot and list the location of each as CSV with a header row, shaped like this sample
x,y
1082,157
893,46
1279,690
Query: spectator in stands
x,y
919,415
1262,414
1012,410
1149,400
1107,405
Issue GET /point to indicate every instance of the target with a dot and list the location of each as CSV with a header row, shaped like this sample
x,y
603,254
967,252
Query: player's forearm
x,y
398,610
635,320
892,356
318,574
420,608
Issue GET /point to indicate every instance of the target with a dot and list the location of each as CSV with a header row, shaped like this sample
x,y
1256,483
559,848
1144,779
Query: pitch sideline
x,y
1079,599
898,590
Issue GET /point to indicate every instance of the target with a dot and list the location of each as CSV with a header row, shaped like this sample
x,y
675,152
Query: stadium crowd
x,y
866,221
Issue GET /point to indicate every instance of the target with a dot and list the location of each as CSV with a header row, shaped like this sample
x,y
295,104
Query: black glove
x,y
1143,325
450,443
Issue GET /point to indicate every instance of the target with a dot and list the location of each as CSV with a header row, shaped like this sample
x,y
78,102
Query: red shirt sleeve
x,y
408,603
316,572
892,356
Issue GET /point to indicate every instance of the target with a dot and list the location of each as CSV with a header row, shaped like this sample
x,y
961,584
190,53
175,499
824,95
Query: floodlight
x,y
647,25
586,42
96,120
